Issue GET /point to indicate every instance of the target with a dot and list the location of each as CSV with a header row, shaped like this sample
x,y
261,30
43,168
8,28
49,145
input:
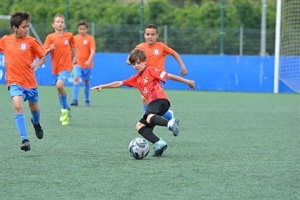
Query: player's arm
x,y
115,84
92,53
183,70
74,55
39,62
173,77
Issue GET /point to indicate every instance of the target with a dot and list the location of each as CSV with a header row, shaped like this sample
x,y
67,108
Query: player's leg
x,y
32,97
16,94
76,84
153,117
169,114
144,104
147,132
154,112
87,74
63,97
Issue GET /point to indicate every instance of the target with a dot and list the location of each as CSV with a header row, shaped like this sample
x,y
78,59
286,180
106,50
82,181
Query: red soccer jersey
x,y
84,44
156,54
60,56
148,83
19,55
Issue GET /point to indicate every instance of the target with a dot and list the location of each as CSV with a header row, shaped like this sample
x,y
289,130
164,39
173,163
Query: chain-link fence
x,y
117,38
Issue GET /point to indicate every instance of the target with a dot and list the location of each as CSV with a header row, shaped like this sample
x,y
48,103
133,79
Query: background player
x,y
86,47
61,46
156,56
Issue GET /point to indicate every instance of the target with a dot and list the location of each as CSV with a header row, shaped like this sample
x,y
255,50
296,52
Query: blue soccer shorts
x,y
31,95
84,73
64,76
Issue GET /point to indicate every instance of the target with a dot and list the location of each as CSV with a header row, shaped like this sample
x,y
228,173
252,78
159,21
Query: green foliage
x,y
117,23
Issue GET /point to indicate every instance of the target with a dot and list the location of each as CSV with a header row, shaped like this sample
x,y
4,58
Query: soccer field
x,y
230,146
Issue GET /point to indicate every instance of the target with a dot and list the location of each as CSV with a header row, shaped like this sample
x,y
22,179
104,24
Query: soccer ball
x,y
139,148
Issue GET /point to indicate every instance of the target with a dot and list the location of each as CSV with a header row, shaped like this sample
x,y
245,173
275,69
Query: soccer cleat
x,y
87,102
74,103
39,132
65,116
25,145
173,126
159,147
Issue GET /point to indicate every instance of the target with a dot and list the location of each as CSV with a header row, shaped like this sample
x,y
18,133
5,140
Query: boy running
x,y
61,46
20,51
156,56
148,82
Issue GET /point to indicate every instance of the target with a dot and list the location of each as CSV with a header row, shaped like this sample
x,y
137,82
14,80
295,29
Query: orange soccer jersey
x,y
148,83
60,56
84,45
19,55
156,54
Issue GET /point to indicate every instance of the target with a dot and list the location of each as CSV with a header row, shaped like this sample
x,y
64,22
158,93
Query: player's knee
x,y
76,80
18,108
149,118
139,125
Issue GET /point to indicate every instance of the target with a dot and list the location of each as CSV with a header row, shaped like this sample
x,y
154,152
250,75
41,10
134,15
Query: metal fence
x,y
123,38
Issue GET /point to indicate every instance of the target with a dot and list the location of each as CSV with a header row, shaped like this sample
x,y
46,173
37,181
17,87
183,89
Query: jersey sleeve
x,y
38,49
1,44
47,42
161,75
168,50
93,43
72,41
130,82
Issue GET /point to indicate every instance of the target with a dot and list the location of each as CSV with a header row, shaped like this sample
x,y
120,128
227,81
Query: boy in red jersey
x,y
20,51
148,82
61,46
156,56
86,47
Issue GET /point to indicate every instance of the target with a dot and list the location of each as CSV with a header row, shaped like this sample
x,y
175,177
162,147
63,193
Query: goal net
x,y
289,59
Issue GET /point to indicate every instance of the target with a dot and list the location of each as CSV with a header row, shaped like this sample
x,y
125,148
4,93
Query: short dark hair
x,y
17,18
82,22
153,26
136,55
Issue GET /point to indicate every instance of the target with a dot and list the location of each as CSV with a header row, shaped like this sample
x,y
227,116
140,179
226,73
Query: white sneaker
x,y
173,126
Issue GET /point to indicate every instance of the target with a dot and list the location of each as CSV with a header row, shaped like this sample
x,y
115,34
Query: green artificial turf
x,y
230,146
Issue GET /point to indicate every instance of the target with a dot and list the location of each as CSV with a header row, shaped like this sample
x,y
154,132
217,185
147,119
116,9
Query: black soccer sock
x,y
158,120
148,134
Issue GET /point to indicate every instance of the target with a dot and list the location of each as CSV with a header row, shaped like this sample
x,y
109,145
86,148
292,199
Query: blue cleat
x,y
74,103
87,102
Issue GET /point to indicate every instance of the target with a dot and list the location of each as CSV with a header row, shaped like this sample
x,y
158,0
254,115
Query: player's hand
x,y
74,61
34,66
183,72
191,84
98,88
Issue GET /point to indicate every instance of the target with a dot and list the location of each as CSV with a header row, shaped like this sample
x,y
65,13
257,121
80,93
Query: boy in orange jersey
x,y
148,82
156,56
20,51
86,47
61,46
